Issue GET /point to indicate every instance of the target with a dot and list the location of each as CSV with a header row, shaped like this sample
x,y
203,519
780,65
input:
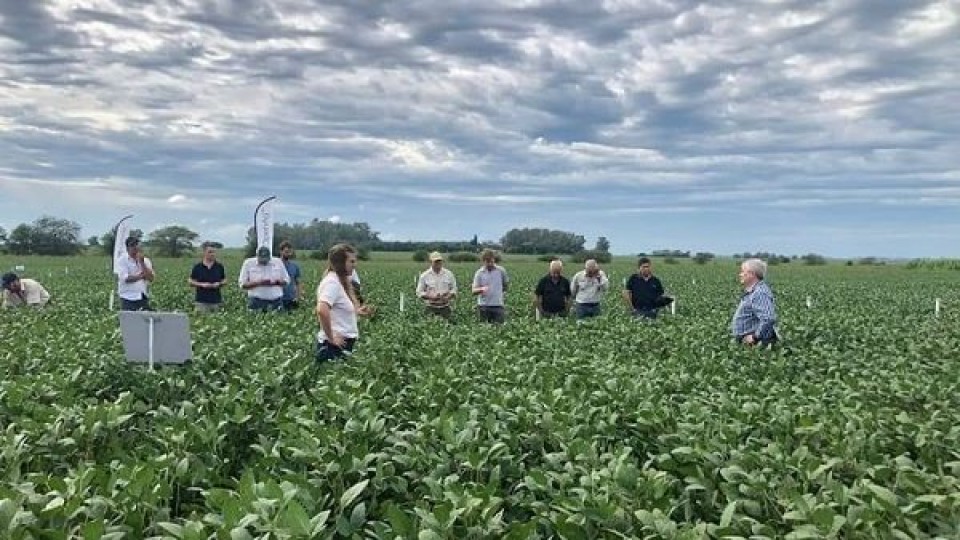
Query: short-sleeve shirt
x,y
293,270
253,271
441,282
554,294
644,292
496,280
343,315
128,266
214,273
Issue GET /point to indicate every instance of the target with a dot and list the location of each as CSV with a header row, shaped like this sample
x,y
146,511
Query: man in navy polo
x,y
643,291
207,277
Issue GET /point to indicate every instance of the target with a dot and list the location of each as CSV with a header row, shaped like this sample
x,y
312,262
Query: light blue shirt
x,y
756,313
290,289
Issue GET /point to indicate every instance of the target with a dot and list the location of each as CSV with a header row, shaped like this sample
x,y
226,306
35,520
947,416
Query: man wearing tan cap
x,y
437,286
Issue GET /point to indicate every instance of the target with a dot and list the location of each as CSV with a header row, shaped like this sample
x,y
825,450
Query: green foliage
x,y
540,241
465,256
812,259
608,429
548,258
46,236
602,244
421,255
703,257
318,235
173,241
599,256
934,264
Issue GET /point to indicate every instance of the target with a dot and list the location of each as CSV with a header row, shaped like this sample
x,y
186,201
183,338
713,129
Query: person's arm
x,y
299,284
506,279
538,296
194,280
604,281
766,312
477,287
452,293
44,295
6,301
147,269
422,286
125,275
284,276
628,294
244,279
574,287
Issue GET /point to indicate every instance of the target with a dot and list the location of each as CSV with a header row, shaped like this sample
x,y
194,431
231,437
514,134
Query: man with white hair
x,y
754,322
588,287
552,295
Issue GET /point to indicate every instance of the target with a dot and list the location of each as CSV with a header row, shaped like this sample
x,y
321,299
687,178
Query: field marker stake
x,y
150,344
936,307
673,307
401,302
111,300
537,313
809,302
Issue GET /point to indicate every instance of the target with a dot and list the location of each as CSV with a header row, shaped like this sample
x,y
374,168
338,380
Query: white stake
x,y
401,302
111,300
536,312
809,302
66,270
673,306
150,344
936,307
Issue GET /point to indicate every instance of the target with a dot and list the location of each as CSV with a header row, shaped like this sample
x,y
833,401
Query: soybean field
x,y
613,428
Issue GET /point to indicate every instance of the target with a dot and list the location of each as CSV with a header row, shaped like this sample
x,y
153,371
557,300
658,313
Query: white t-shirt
x,y
343,315
128,266
252,271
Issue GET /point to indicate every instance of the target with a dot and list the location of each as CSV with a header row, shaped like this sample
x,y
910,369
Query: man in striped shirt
x,y
756,317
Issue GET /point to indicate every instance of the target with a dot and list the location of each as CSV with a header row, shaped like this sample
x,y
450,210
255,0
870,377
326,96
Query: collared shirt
x,y
497,282
293,271
644,292
31,293
252,271
588,290
553,293
756,313
441,282
343,314
128,266
215,273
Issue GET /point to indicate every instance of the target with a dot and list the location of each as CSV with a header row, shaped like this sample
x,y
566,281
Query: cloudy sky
x,y
830,126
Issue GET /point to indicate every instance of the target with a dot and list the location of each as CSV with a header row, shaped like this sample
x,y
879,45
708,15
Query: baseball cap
x,y
8,279
436,256
263,255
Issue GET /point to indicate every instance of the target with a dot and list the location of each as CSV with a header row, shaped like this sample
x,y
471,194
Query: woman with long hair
x,y
337,306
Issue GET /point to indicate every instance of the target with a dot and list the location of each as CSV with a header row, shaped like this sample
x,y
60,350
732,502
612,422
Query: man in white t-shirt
x,y
264,277
134,275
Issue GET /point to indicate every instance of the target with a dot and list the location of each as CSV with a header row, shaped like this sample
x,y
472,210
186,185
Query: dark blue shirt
x,y
213,274
290,291
644,292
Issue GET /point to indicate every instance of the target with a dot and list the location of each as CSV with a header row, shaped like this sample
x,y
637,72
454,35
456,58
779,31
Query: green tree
x,y
603,245
93,241
172,241
541,241
47,235
3,240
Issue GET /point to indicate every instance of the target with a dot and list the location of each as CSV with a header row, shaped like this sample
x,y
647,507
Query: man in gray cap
x,y
19,292
264,277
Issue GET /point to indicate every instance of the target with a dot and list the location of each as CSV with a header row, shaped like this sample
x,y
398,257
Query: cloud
x,y
194,110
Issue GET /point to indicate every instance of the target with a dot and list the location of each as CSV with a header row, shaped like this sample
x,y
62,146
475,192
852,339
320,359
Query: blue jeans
x,y
585,311
143,304
259,304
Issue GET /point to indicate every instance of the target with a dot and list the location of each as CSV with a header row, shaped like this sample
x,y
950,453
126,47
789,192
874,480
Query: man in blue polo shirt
x,y
207,277
293,291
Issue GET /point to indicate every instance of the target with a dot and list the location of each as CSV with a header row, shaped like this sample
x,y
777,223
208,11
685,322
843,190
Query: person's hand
x,y
366,310
484,289
337,341
749,339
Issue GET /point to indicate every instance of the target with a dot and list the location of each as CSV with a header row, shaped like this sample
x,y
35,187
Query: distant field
x,y
614,428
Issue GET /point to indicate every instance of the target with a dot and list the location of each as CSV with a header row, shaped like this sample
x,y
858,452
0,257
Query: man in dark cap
x,y
264,277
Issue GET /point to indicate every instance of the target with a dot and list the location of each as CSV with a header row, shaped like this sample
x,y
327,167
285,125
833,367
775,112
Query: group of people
x,y
274,283
270,283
